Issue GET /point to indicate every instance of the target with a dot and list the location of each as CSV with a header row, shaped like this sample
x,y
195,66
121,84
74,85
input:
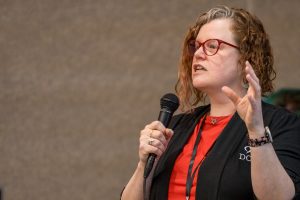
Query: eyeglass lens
x,y
210,47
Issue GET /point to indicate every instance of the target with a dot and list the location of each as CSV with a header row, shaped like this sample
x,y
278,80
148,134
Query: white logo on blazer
x,y
246,154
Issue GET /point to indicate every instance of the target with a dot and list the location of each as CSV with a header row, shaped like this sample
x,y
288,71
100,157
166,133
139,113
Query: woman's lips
x,y
198,67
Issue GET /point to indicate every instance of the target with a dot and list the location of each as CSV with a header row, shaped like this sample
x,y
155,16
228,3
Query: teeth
x,y
199,67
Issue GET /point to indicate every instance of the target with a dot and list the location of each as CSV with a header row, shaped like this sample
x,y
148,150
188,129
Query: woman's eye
x,y
212,46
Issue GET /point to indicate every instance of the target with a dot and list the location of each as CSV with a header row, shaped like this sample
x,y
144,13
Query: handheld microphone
x,y
168,105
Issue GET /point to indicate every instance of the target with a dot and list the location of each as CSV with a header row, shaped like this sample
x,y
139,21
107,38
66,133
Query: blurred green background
x,y
288,98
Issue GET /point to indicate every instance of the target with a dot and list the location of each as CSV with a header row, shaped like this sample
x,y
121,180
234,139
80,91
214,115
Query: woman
x,y
223,150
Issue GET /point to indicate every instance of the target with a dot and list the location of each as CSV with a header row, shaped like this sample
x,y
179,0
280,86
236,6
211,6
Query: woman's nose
x,y
199,53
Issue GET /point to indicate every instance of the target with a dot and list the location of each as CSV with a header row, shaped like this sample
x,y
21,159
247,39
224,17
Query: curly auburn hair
x,y
254,46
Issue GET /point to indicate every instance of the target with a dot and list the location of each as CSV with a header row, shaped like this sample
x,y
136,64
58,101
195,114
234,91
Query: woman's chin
x,y
199,84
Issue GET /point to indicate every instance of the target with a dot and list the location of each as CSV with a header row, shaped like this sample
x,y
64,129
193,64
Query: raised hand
x,y
249,106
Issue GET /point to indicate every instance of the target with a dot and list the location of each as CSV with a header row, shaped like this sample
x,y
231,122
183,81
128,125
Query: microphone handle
x,y
149,164
165,118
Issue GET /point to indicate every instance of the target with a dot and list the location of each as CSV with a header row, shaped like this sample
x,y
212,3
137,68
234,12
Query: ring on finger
x,y
150,141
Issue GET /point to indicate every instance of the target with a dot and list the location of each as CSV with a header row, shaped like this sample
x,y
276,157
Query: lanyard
x,y
191,175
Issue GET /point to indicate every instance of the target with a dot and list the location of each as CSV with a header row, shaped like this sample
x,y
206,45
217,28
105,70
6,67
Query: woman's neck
x,y
221,109
221,105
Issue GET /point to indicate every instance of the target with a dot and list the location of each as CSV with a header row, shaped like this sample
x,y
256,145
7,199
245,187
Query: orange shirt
x,y
211,130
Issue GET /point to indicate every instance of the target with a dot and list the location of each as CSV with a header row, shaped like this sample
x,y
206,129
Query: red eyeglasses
x,y
210,46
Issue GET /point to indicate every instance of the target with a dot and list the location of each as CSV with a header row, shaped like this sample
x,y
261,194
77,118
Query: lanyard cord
x,y
191,175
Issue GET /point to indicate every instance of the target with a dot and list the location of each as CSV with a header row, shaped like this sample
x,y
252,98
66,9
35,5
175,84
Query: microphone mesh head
x,y
169,102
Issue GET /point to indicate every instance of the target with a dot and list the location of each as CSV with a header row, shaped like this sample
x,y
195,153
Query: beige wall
x,y
79,79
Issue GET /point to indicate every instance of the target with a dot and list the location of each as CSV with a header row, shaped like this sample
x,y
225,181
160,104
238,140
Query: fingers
x,y
254,86
252,103
150,145
231,95
154,138
157,131
250,71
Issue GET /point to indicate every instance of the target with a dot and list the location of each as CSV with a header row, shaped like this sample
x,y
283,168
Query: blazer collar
x,y
212,168
182,133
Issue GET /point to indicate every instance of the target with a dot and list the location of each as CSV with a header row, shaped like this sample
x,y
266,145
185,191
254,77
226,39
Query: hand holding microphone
x,y
154,140
155,137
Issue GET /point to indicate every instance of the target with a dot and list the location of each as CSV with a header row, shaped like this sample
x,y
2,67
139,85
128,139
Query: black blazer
x,y
225,173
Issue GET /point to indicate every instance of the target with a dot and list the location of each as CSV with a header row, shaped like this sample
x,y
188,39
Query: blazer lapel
x,y
182,133
211,170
